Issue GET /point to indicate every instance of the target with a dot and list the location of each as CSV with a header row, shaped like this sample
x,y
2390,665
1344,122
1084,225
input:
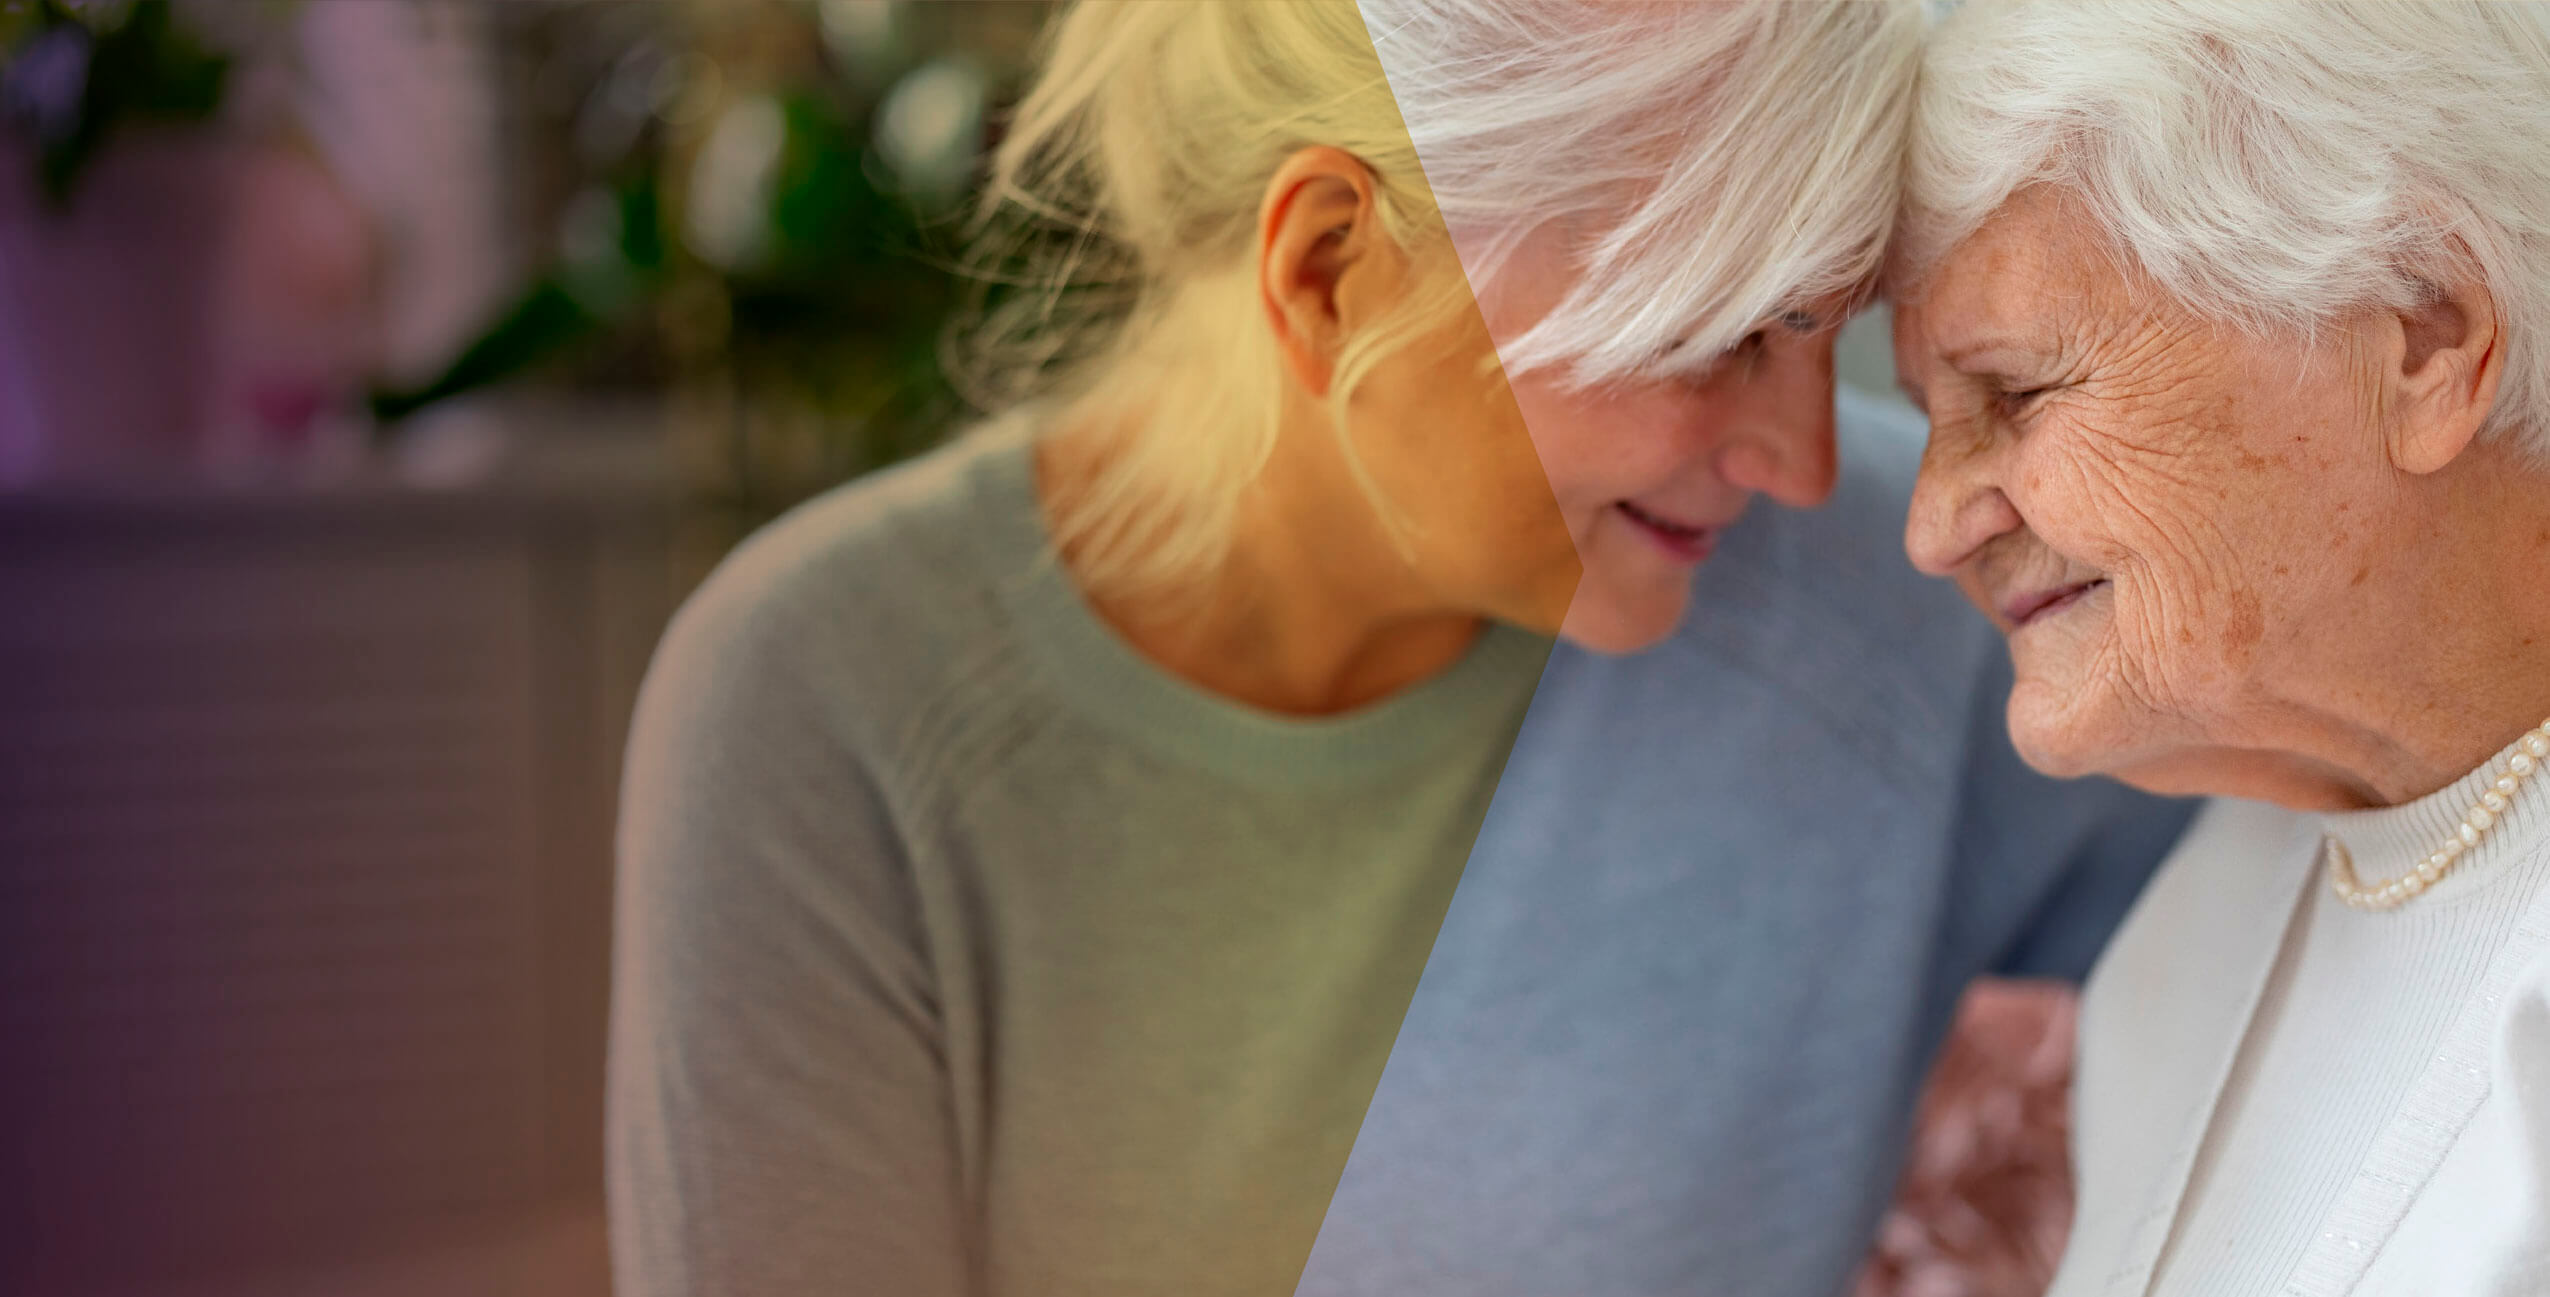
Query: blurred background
x,y
375,377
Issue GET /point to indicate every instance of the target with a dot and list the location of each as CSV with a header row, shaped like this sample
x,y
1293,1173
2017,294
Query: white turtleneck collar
x,y
2389,841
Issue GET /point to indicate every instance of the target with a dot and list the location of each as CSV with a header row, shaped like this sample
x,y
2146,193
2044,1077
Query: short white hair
x,y
1727,161
2270,164
1716,163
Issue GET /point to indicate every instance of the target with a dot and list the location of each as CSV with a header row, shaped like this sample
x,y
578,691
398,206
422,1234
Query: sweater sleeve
x,y
779,1117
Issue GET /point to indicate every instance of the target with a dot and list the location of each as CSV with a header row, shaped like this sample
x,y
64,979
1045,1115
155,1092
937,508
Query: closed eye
x,y
2011,403
1800,322
1745,354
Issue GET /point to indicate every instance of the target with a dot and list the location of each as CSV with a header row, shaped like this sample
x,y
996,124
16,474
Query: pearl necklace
x,y
2530,752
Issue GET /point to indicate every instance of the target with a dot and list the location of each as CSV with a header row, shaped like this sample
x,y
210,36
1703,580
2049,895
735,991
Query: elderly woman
x,y
2233,326
1029,855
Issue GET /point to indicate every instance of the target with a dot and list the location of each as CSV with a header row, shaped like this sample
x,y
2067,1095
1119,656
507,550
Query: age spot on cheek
x,y
2248,625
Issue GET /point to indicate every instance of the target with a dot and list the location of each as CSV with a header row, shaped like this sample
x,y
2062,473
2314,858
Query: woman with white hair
x,y
1029,855
2233,325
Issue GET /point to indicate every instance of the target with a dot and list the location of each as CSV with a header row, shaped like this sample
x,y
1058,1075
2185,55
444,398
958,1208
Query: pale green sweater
x,y
951,927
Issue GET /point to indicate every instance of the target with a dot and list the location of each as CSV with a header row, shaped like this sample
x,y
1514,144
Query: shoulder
x,y
842,613
2227,836
2220,898
908,536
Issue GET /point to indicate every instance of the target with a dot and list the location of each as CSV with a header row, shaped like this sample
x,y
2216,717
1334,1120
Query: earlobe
x,y
1313,228
2450,357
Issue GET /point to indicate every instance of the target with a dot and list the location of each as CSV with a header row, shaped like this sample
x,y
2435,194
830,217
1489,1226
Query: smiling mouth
x,y
2045,603
1683,542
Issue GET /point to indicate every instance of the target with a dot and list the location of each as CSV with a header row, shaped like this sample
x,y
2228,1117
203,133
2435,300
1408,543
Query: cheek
x,y
2189,566
1514,468
1603,446
1466,477
1447,442
1563,431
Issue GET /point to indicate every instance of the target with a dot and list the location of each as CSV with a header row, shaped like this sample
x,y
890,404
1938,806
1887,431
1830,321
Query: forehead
x,y
2035,268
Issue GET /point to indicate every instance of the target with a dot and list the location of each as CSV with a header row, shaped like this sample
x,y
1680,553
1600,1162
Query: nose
x,y
1957,505
1783,447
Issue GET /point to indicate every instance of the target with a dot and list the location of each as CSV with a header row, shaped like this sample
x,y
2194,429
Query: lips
x,y
1682,541
2019,610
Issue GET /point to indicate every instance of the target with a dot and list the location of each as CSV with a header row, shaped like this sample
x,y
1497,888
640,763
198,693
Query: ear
x,y
2449,357
1318,228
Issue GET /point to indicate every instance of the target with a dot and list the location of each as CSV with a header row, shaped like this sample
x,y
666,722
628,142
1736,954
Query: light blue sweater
x,y
1716,924
961,952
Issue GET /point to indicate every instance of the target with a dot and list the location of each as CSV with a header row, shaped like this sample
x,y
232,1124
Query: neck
x,y
1312,611
2444,653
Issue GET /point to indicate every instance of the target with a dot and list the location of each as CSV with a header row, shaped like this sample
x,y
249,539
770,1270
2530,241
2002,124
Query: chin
x,y
1617,627
2076,742
2053,738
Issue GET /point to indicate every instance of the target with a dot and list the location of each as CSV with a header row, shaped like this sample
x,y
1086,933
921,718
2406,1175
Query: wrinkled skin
x,y
2227,562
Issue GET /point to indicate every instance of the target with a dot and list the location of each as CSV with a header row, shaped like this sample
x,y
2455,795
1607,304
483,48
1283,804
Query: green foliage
x,y
827,294
543,320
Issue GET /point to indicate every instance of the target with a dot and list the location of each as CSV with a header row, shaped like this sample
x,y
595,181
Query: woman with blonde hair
x,y
1030,855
